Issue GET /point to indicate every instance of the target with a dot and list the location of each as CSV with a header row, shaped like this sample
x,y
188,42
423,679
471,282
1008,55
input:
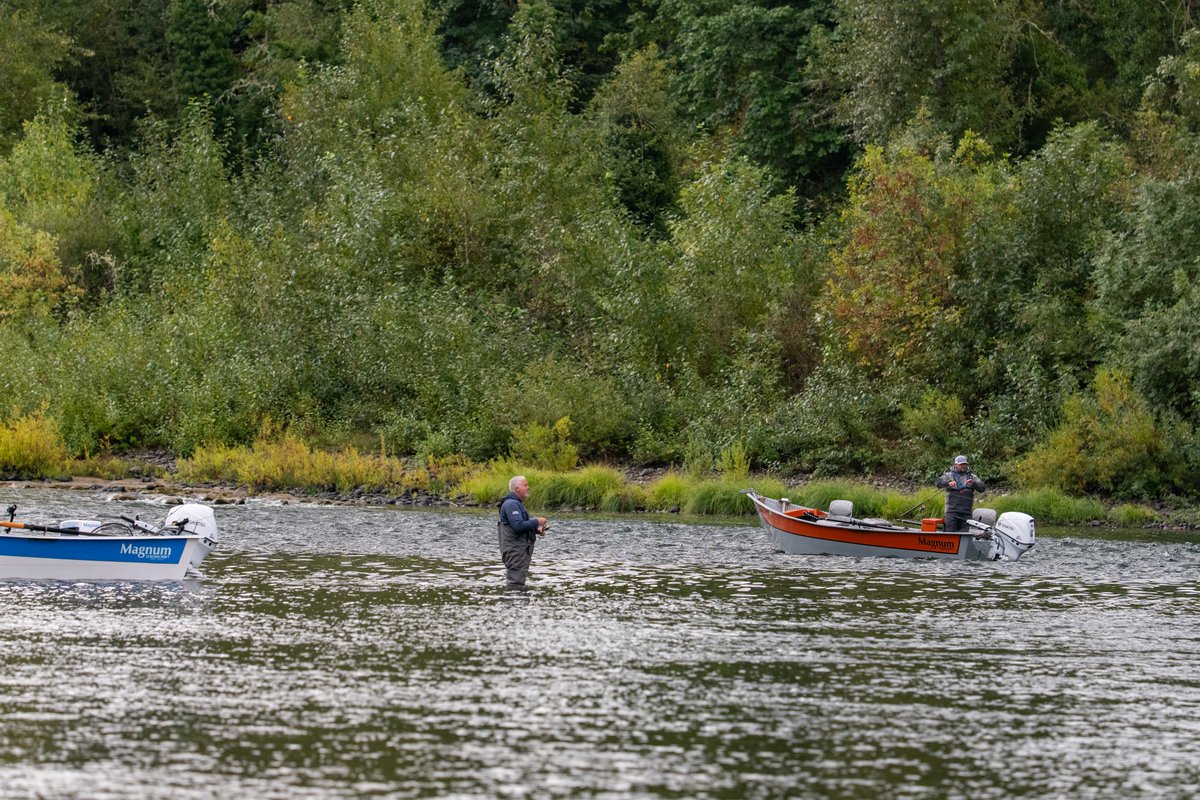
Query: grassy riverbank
x,y
282,462
285,463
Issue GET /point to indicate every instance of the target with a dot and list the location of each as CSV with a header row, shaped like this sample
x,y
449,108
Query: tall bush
x,y
892,280
1110,441
32,447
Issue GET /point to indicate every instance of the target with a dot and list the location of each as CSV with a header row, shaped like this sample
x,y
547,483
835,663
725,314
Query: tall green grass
x,y
668,493
31,446
717,498
489,485
1050,506
1130,514
725,497
627,498
586,488
287,462
605,489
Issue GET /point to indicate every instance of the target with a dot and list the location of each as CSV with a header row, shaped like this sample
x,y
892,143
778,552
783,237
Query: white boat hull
x,y
100,558
804,531
956,547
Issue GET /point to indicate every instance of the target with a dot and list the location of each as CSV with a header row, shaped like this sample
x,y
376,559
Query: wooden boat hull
x,y
804,531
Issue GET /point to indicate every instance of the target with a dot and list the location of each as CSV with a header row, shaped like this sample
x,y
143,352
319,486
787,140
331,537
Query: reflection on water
x,y
347,653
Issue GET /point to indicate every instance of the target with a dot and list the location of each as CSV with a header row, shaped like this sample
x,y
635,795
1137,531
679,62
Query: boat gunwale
x,y
853,534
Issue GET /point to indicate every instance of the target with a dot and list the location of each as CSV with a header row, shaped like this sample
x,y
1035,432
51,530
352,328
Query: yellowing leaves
x,y
891,281
1108,440
31,278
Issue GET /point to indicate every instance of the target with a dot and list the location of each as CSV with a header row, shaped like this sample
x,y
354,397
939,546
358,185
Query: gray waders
x,y
516,551
955,522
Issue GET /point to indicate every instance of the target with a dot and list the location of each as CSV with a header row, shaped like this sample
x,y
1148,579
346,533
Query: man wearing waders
x,y
518,532
960,485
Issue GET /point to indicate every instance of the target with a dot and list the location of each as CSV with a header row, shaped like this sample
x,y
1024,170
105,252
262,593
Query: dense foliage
x,y
830,236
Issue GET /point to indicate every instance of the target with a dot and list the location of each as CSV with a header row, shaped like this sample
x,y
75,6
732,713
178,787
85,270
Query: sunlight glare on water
x,y
365,653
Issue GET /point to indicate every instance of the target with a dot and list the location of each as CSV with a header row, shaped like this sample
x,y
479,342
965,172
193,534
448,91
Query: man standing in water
x,y
960,485
517,532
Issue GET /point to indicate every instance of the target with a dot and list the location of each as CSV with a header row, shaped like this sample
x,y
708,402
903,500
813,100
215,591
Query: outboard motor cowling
x,y
195,519
1012,535
198,520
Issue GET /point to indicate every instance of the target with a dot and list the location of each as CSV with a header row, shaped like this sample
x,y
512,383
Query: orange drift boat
x,y
810,531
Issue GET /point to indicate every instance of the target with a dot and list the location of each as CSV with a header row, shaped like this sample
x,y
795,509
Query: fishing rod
x,y
920,504
29,526
125,529
39,528
23,526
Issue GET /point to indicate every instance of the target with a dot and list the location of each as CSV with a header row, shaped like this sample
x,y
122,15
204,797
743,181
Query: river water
x,y
334,652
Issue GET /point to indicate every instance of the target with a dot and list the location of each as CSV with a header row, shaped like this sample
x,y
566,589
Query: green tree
x,y
893,280
123,66
276,38
1009,70
50,185
474,34
740,71
556,206
1145,269
1110,441
889,59
743,74
1027,301
637,117
177,193
200,44
32,283
30,52
734,247
1090,61
383,162
1146,278
47,179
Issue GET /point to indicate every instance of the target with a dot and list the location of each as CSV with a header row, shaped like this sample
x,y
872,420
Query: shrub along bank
x,y
32,448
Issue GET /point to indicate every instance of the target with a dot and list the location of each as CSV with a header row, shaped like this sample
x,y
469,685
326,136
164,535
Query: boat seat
x,y
985,515
841,511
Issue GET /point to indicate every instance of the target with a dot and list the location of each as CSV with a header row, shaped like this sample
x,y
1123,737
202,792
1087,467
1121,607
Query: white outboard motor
x,y
195,519
1012,535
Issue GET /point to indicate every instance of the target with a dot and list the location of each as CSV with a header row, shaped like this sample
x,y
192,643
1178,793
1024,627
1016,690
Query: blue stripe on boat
x,y
141,551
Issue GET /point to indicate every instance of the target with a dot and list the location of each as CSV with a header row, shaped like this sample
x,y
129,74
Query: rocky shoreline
x,y
168,492
227,494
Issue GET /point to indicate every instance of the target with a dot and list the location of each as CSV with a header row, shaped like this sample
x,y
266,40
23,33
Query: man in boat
x,y
518,532
961,485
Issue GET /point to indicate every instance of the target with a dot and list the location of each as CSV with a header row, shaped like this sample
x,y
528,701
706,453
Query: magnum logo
x,y
146,552
948,545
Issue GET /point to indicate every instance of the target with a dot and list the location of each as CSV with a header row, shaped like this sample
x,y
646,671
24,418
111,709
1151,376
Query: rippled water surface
x,y
360,653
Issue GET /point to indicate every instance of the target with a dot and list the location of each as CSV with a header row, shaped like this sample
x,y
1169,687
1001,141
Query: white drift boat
x,y
89,550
